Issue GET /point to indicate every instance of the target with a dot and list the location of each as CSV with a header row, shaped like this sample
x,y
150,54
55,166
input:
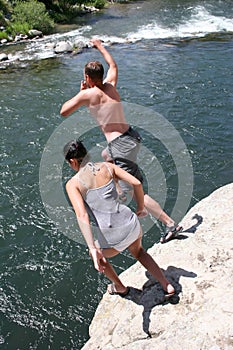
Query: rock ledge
x,y
199,264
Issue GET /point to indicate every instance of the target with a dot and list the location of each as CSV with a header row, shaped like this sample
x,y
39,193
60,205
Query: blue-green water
x,y
174,57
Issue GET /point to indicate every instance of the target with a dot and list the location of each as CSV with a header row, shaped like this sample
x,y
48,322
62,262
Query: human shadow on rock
x,y
152,293
191,229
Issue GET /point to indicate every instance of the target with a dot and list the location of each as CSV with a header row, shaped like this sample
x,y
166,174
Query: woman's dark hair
x,y
74,149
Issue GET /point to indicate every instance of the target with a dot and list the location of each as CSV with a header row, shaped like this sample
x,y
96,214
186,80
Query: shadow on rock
x,y
152,293
191,229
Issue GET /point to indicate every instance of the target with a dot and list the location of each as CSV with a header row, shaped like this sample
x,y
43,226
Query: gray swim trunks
x,y
124,150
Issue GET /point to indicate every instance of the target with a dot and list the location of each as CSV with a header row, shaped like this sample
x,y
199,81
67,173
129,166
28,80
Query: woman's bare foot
x,y
112,290
170,290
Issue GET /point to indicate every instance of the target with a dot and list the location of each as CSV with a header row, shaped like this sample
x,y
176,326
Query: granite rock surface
x,y
199,263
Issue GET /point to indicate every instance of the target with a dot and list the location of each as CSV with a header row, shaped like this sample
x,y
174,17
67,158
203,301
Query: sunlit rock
x,y
199,265
33,33
63,46
3,57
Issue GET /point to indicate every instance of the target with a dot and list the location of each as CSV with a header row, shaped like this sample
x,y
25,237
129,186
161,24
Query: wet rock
x,y
63,46
3,57
33,33
80,45
50,45
88,9
20,37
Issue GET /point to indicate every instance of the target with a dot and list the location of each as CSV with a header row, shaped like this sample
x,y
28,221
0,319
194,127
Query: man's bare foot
x,y
170,233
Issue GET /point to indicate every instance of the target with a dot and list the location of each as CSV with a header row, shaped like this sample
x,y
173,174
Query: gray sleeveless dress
x,y
118,226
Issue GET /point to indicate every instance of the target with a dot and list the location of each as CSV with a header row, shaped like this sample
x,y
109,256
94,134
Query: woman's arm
x,y
137,186
84,223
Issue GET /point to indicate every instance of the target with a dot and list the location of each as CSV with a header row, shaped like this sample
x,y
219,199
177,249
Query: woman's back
x,y
116,221
93,175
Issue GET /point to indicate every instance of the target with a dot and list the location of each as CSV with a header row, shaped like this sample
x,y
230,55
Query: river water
x,y
175,59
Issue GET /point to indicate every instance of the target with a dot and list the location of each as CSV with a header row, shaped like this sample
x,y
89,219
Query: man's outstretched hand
x,y
96,43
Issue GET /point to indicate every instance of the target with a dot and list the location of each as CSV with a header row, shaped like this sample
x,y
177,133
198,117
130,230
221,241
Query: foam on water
x,y
200,23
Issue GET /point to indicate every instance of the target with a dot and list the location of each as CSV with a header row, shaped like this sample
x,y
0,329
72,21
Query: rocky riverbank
x,y
199,264
35,46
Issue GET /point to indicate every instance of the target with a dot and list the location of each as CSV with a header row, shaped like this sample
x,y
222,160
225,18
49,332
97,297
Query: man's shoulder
x,y
94,91
110,85
89,96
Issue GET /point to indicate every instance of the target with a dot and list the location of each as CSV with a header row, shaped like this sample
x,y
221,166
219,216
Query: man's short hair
x,y
94,70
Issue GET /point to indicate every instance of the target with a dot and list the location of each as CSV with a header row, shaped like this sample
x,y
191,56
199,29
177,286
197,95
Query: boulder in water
x,y
63,46
3,57
34,33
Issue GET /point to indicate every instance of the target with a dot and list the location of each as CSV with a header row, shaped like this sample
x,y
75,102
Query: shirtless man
x,y
103,101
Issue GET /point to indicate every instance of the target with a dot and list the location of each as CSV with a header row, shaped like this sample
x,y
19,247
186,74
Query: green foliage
x,y
18,28
64,11
34,14
3,35
99,4
5,7
2,19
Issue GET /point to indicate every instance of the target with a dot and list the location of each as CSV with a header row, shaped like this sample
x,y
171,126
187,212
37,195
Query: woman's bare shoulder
x,y
72,182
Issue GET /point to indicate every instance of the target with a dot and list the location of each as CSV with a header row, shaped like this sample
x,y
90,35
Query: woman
x,y
118,226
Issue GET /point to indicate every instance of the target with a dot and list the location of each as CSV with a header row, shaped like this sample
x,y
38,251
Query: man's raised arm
x,y
112,74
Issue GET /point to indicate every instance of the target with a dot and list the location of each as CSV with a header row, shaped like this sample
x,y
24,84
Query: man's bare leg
x,y
154,209
172,229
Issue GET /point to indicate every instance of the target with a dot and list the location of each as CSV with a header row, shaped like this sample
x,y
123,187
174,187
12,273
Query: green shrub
x,y
18,28
99,4
34,14
5,7
5,10
2,20
3,35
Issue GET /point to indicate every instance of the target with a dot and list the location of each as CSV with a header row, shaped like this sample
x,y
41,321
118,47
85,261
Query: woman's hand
x,y
142,213
98,259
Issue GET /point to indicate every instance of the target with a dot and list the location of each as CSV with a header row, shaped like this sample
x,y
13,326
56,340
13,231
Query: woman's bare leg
x,y
111,274
152,267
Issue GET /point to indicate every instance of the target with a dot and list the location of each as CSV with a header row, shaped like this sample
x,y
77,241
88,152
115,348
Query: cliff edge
x,y
199,263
